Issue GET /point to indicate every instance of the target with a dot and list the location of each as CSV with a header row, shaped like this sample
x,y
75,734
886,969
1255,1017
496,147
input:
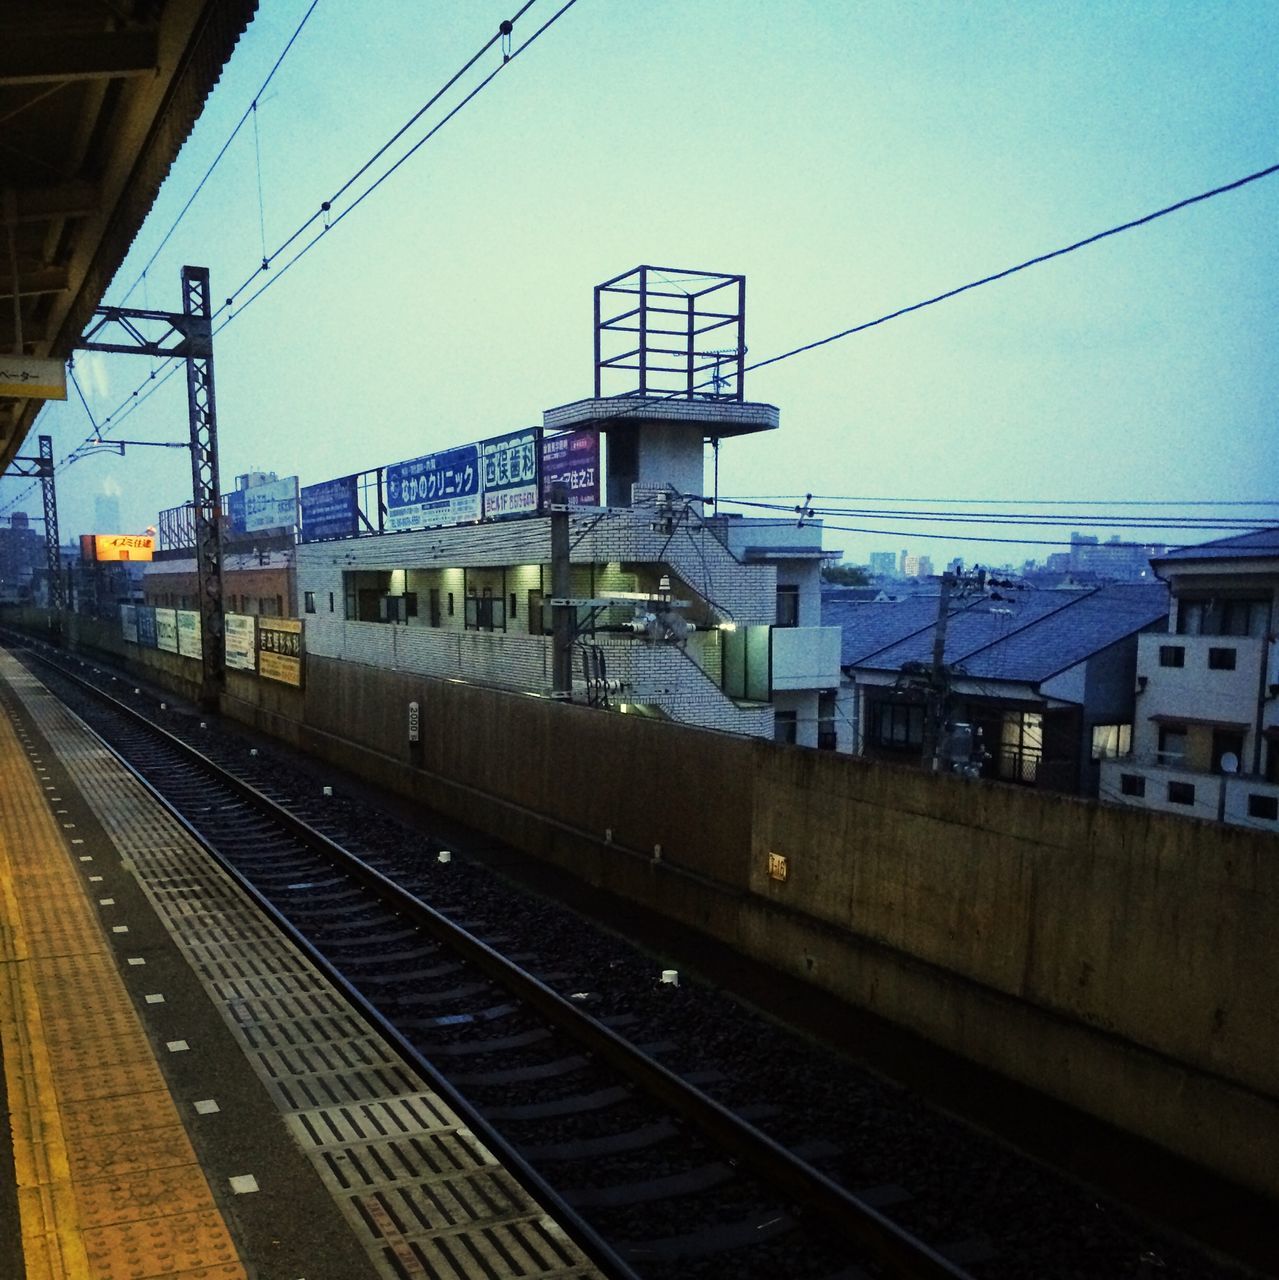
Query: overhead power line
x,y
1020,502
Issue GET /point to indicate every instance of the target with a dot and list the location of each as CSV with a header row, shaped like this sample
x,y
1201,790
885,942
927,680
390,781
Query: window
x,y
788,606
308,599
410,604
485,612
898,726
785,726
511,614
827,737
450,604
433,606
1263,807
1172,655
1223,616
1221,659
1172,743
1021,746
330,601
1132,784
1181,793
536,623
1111,740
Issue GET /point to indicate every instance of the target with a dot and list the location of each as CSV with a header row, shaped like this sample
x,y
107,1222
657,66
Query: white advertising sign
x,y
189,634
166,630
129,623
241,641
273,505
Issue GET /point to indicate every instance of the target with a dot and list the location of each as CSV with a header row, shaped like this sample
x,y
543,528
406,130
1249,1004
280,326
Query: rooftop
x,y
714,418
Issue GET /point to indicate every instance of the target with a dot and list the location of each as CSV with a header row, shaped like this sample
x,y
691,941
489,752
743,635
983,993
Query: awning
x,y
1241,726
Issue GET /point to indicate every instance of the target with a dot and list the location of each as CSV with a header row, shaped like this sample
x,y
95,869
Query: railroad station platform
x,y
185,1094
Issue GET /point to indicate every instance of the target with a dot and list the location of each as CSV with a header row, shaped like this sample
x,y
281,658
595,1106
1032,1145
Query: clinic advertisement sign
x,y
510,473
241,640
280,650
129,623
166,630
572,459
329,510
273,505
189,634
437,489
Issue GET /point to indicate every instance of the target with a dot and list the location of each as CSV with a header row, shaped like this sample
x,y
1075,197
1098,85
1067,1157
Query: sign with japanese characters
x,y
280,650
273,505
329,510
189,634
122,546
572,459
240,638
129,623
438,489
30,378
166,630
510,473
145,615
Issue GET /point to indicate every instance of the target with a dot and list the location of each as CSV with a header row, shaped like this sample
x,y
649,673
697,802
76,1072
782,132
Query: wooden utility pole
x,y
937,677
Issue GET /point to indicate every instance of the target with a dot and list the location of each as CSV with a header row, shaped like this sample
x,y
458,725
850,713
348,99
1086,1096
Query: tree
x,y
846,575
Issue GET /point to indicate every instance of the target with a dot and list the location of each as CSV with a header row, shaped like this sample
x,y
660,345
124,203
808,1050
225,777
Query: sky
x,y
848,159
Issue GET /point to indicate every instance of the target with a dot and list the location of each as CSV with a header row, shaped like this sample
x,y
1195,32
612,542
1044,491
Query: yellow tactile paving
x,y
80,1072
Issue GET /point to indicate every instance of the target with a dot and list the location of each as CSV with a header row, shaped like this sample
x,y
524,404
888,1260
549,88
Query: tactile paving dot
x,y
181,1242
128,1197
108,1157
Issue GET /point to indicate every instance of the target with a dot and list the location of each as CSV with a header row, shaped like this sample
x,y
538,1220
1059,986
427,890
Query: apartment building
x,y
1205,740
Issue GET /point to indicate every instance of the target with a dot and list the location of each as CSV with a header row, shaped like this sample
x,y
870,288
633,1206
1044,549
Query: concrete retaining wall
x,y
1123,961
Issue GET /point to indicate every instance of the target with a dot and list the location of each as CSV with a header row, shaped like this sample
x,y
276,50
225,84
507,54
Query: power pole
x,y
187,334
937,677
41,467
563,619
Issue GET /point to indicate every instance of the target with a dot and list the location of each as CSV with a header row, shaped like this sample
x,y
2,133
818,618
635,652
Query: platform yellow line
x,y
52,1242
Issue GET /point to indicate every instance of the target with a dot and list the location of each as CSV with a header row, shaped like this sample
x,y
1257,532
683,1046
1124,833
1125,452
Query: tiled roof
x,y
1243,546
1027,638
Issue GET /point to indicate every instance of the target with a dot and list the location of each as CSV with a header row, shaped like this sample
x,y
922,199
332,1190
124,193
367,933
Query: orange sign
x,y
123,546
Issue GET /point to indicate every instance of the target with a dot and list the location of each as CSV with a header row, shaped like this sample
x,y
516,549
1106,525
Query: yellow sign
x,y
122,546
32,379
280,650
777,866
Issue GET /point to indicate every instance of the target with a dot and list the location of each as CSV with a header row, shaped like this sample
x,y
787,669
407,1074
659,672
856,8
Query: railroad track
x,y
653,1176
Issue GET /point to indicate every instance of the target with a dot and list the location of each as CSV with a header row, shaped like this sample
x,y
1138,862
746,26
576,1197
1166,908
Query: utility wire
x,y
208,173
1021,266
1021,502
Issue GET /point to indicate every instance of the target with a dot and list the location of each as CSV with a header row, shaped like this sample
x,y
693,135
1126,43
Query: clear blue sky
x,y
848,158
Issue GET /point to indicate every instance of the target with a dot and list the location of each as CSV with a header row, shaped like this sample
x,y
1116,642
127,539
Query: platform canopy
x,y
96,99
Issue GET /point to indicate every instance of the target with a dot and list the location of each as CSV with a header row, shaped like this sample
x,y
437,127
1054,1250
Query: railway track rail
x,y
652,1176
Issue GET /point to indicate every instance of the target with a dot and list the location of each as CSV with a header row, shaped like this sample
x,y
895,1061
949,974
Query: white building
x,y
714,622
1205,741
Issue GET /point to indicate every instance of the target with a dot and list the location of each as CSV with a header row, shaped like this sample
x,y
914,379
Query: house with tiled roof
x,y
1205,739
1045,679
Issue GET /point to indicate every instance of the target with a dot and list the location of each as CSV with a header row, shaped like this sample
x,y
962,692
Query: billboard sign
x,y
330,510
235,511
280,650
33,378
273,505
146,626
438,489
240,636
166,630
573,459
189,635
510,473
122,546
129,623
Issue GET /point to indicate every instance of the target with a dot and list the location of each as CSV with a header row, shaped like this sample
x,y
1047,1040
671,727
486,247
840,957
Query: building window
x,y
1021,746
410,604
1221,659
785,726
898,726
308,601
450,604
433,606
1181,793
1172,744
1263,807
1111,740
1217,616
1132,784
827,736
1172,655
330,601
485,612
788,606
536,622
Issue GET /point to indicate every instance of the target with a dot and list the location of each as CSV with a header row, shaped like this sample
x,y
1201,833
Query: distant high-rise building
x,y
106,514
918,567
883,563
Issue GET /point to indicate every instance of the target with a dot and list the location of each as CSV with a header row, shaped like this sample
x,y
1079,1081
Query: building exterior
x,y
883,563
714,622
1046,677
22,553
261,582
1205,740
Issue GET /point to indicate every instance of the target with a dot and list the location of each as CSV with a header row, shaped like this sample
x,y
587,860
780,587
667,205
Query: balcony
x,y
806,657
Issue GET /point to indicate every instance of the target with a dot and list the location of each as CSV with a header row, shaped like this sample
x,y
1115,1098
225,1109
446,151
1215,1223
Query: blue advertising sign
x,y
572,459
330,509
438,489
235,510
510,473
148,637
